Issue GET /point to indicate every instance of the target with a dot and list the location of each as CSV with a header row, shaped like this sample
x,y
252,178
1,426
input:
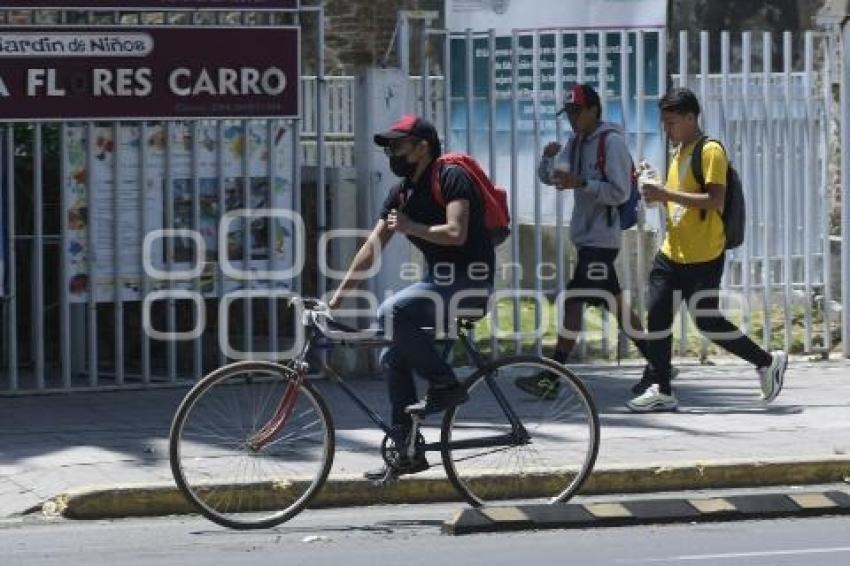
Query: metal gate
x,y
62,333
767,96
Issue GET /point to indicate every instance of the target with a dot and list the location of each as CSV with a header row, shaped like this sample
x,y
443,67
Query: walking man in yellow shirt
x,y
690,264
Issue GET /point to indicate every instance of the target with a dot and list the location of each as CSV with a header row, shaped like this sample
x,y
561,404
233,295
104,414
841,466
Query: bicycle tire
x,y
257,506
482,417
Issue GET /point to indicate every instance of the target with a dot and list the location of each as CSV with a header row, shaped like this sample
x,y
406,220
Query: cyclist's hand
x,y
551,149
399,222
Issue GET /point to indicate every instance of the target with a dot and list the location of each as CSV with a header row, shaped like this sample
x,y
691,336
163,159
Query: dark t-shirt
x,y
416,201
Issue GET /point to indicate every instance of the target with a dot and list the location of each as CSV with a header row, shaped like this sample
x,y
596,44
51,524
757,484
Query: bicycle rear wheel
x,y
250,445
504,443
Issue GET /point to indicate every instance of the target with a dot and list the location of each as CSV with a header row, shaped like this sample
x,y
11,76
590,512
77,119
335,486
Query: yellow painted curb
x,y
157,500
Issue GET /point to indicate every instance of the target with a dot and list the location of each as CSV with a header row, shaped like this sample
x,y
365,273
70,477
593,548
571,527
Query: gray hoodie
x,y
590,225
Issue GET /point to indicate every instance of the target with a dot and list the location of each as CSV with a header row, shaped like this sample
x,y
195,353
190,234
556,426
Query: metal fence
x,y
79,291
775,119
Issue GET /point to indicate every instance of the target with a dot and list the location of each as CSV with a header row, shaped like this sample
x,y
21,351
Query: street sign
x,y
76,73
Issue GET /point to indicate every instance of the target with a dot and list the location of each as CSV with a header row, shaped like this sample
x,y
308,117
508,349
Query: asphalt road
x,y
410,535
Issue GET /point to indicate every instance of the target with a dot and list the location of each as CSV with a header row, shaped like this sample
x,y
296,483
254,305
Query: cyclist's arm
x,y
363,260
452,233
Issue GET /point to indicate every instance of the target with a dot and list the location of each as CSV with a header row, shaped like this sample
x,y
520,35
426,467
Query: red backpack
x,y
497,217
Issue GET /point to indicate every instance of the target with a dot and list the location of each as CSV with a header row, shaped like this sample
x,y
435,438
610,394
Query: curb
x,y
157,500
642,512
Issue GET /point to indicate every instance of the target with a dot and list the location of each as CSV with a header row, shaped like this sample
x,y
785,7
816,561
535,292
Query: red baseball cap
x,y
578,97
408,126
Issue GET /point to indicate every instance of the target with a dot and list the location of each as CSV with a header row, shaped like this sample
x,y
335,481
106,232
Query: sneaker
x,y
652,400
544,385
438,399
772,377
418,464
647,380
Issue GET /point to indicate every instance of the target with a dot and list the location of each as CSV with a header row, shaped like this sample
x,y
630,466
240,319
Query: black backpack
x,y
734,208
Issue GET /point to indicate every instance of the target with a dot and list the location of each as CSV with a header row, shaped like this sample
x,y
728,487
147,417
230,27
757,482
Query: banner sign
x,y
148,73
252,5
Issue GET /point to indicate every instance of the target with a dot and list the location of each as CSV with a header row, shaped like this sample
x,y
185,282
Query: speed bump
x,y
646,511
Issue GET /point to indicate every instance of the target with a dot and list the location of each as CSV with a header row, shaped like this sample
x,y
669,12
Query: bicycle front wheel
x,y
509,443
251,444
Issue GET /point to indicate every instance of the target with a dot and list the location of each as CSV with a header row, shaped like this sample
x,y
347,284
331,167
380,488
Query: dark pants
x,y
413,349
666,279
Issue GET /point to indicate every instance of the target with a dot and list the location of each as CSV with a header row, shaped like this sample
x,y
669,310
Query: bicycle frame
x,y
318,341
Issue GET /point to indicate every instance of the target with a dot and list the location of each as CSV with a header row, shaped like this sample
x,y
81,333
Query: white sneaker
x,y
773,376
652,400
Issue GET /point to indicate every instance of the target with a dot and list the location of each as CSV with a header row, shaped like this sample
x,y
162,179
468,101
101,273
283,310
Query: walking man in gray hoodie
x,y
600,180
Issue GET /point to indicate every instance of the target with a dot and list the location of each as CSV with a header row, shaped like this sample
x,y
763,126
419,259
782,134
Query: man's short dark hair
x,y
681,101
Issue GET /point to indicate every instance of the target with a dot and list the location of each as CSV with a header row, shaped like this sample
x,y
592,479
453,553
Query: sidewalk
x,y
50,445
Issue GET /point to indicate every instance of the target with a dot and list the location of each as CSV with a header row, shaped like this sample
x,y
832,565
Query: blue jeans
x,y
402,318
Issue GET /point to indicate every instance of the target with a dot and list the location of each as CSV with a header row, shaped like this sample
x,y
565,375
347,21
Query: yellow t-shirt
x,y
690,238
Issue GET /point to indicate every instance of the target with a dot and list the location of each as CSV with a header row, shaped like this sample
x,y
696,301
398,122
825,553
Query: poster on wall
x,y
220,184
591,43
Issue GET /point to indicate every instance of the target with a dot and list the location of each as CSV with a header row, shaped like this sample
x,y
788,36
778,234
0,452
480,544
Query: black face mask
x,y
401,167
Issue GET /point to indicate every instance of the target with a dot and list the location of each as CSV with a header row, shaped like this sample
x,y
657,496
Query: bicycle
x,y
252,443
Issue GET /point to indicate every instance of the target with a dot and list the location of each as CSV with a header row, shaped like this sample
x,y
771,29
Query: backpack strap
x,y
601,160
696,165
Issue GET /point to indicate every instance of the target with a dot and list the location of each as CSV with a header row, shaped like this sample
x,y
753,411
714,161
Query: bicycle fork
x,y
282,412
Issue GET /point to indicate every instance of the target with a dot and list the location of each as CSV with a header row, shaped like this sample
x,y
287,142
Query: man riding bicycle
x,y
459,254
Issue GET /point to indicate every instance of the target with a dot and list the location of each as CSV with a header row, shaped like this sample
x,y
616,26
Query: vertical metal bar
x,y
559,195
118,298
273,232
602,83
222,210
809,184
683,82
492,100
447,92
538,235
827,197
746,164
623,345
787,153
38,245
640,88
624,81
425,72
663,81
143,220
296,190
403,42
470,87
197,344
169,248
515,237
64,304
321,109
91,258
768,188
602,76
845,196
703,71
247,251
580,78
12,301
